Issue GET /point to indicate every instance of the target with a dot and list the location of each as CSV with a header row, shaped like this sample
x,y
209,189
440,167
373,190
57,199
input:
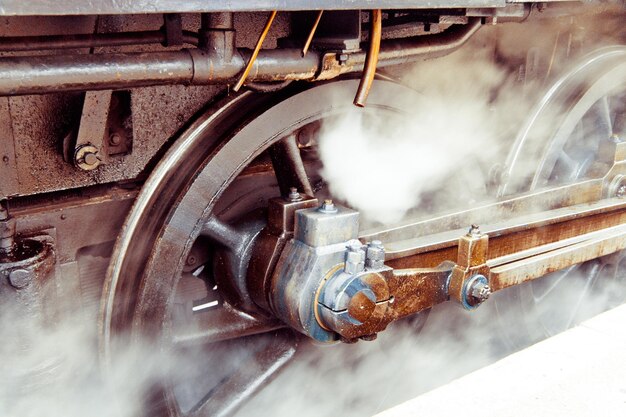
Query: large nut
x,y
86,157
476,291
355,258
20,278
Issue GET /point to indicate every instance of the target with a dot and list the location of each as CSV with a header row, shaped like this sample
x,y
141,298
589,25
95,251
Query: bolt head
x,y
91,159
294,195
115,139
481,291
328,207
474,230
20,278
86,157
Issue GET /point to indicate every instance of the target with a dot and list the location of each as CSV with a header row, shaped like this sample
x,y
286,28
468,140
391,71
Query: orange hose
x,y
307,44
371,59
255,53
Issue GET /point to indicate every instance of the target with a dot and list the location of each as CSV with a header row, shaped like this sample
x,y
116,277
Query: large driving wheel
x,y
569,137
177,276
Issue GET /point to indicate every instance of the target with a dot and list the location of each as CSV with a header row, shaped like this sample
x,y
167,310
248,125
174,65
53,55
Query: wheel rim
x,y
580,96
173,207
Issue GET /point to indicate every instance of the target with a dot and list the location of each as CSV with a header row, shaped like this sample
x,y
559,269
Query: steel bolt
x,y
19,278
621,191
91,159
115,139
375,257
480,291
474,230
294,195
86,157
355,257
328,207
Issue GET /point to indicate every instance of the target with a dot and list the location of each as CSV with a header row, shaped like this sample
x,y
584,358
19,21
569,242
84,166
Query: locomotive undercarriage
x,y
229,233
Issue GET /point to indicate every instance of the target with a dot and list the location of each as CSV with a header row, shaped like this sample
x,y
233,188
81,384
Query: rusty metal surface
x,y
8,164
57,73
41,122
80,41
79,7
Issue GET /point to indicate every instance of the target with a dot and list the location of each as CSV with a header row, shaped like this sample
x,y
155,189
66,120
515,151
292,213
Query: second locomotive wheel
x,y
177,275
569,137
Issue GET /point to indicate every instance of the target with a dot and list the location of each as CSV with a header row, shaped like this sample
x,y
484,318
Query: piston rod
x,y
21,75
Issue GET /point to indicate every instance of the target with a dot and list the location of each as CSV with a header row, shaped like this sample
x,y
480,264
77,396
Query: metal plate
x,y
8,172
85,7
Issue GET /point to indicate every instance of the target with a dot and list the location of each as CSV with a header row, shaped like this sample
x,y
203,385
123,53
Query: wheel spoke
x,y
571,165
289,167
219,324
554,284
583,295
605,117
222,233
250,377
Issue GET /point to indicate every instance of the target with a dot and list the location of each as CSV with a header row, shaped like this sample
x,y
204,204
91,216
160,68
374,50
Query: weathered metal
x,y
55,73
90,148
78,7
271,242
95,40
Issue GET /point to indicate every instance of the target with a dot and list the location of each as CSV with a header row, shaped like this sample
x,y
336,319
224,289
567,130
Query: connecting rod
x,y
332,282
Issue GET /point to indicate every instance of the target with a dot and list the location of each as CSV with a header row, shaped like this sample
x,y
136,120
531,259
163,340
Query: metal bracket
x,y
89,151
337,30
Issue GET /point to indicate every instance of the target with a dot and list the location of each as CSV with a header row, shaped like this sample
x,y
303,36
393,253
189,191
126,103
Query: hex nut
x,y
86,157
375,257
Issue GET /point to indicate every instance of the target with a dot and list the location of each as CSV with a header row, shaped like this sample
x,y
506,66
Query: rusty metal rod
x,y
91,40
593,245
371,59
309,39
255,53
21,75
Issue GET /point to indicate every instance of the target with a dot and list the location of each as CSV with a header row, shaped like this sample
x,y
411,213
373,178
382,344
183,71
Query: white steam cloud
x,y
54,370
385,167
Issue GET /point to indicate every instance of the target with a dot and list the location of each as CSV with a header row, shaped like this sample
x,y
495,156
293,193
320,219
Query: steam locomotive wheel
x,y
582,114
197,216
